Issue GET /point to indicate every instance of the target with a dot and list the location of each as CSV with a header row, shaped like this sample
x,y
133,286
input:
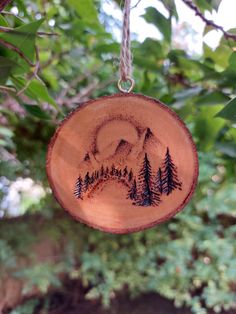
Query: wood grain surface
x,y
122,163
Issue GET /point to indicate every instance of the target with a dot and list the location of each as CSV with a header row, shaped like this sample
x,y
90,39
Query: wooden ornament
x,y
122,163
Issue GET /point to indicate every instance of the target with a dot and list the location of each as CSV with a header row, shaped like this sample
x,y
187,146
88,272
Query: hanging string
x,y
126,83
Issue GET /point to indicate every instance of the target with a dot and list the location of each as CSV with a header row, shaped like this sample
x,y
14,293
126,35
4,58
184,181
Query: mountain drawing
x,y
130,165
121,151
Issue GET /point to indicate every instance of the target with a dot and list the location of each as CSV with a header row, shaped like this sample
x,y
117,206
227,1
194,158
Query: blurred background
x,y
54,55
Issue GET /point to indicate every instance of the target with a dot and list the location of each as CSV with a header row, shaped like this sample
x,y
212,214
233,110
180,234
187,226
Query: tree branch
x,y
7,89
12,14
75,82
4,29
34,75
86,93
135,6
193,7
14,48
3,4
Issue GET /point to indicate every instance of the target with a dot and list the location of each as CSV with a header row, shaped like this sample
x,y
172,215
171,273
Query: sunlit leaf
x,y
171,7
220,55
215,4
23,38
86,10
212,98
203,5
232,60
3,21
206,127
160,21
36,90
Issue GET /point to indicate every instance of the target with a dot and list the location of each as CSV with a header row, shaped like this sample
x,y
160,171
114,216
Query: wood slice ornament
x,y
125,162
122,163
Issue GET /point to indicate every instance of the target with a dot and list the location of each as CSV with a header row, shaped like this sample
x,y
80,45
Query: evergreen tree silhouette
x,y
116,172
102,171
79,188
113,170
106,174
147,195
170,180
125,172
119,174
92,178
86,182
159,181
130,176
132,193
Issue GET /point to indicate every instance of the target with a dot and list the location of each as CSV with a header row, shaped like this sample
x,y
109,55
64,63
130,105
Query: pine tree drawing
x,y
170,180
116,172
147,195
86,182
130,176
102,171
106,174
92,178
125,172
132,193
79,188
119,174
159,181
113,170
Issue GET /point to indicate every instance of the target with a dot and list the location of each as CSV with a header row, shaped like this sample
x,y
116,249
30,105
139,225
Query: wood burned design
x,y
122,163
144,189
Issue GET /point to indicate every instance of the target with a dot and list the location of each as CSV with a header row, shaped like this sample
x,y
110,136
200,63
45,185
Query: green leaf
x,y
23,37
160,21
220,55
228,41
207,29
6,66
207,128
232,61
204,5
212,98
3,21
229,111
171,7
37,112
215,4
153,47
86,10
102,48
36,90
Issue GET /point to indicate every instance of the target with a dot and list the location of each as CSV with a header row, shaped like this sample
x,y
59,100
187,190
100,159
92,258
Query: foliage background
x,y
192,258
